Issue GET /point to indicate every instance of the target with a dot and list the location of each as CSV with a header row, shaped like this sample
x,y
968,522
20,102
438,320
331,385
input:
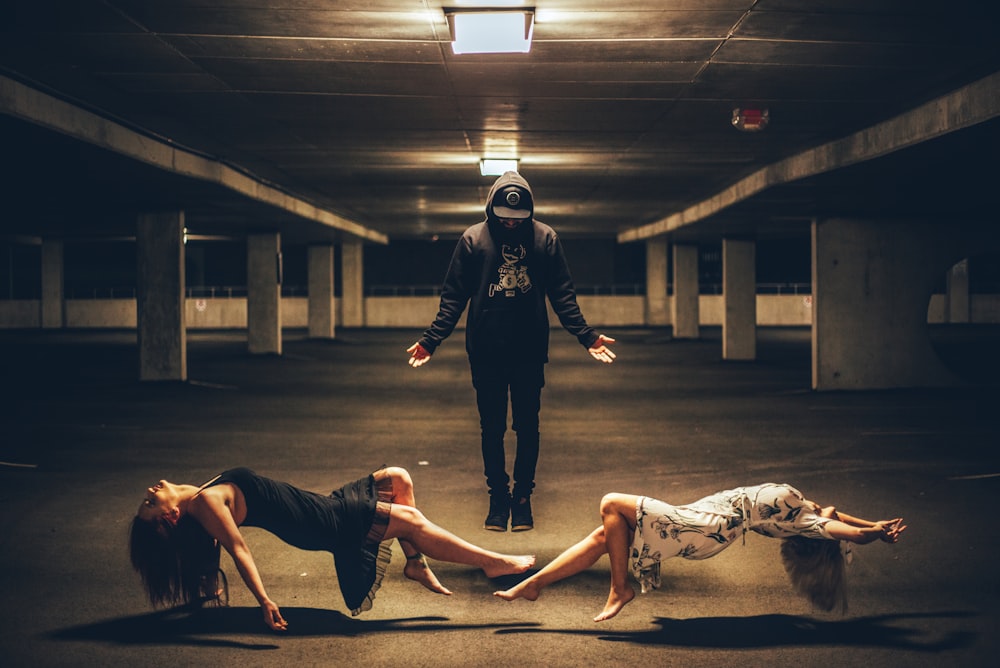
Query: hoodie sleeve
x,y
562,296
455,295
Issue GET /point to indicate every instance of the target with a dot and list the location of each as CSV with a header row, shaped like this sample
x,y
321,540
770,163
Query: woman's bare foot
x,y
418,571
527,590
616,601
509,565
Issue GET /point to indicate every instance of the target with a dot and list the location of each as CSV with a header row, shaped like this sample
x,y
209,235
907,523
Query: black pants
x,y
522,385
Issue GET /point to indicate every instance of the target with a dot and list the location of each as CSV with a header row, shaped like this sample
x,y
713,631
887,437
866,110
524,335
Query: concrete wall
x,y
418,312
783,310
984,309
25,314
216,313
610,311
113,313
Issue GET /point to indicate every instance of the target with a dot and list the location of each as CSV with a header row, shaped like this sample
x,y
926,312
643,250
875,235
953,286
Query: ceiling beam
x,y
962,108
29,104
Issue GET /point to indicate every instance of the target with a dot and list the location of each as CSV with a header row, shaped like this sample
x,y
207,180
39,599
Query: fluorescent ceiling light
x,y
494,167
497,31
480,4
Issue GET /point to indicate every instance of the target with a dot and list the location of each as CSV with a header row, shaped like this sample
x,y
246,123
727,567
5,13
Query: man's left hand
x,y
600,351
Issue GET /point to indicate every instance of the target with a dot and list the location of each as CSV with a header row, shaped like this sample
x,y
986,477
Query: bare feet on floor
x,y
509,564
616,601
418,571
527,590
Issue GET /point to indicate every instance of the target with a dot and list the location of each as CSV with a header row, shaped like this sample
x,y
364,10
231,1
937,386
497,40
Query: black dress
x,y
350,523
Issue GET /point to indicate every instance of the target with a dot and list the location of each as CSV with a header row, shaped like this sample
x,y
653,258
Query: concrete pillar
x,y
53,296
353,288
161,326
264,293
322,317
739,296
872,281
957,308
657,313
684,313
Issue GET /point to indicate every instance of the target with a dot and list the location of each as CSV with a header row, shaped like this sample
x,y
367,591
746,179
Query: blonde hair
x,y
816,570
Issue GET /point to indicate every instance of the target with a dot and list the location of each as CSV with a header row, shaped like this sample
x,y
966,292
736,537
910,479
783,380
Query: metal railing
x,y
404,290
784,288
614,290
596,289
199,292
216,292
617,289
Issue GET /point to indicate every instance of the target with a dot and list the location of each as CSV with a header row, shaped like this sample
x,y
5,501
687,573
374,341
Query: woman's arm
x,y
215,516
854,521
885,530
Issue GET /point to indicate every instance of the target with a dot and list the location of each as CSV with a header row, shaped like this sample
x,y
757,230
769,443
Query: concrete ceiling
x,y
620,114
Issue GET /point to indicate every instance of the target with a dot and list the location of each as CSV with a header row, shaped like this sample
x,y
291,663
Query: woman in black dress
x,y
176,536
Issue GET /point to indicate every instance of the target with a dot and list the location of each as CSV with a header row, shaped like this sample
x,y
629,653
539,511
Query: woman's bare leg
x,y
402,493
618,518
416,567
417,534
574,559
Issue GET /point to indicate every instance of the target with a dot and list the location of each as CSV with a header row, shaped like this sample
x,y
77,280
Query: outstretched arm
x,y
863,531
419,355
212,513
455,295
600,351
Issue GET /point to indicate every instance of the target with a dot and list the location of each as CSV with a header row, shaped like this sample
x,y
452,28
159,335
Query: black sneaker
x,y
520,515
499,513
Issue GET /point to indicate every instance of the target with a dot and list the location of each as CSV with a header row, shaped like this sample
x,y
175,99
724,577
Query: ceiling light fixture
x,y
491,30
496,167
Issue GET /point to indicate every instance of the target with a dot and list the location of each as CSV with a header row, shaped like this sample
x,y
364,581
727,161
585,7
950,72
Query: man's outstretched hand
x,y
600,351
419,355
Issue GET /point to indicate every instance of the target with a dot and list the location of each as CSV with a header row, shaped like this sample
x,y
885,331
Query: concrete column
x,y
684,313
53,296
957,308
322,317
872,281
264,293
739,295
353,288
161,326
657,313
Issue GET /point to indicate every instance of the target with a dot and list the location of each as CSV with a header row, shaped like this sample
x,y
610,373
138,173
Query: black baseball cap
x,y
512,202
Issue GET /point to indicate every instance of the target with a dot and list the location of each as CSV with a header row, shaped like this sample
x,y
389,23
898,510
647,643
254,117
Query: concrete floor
x,y
670,419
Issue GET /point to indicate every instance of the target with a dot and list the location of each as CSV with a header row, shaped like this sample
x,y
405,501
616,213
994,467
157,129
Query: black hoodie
x,y
505,275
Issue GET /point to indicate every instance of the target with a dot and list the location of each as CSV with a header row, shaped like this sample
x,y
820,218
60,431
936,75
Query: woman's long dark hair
x,y
816,569
177,564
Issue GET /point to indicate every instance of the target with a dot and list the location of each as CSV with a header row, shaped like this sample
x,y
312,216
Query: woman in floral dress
x,y
639,532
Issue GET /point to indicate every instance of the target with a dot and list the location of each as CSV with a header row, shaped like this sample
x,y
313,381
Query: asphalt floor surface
x,y
82,438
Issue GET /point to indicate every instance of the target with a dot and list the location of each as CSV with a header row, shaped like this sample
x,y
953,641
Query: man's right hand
x,y
419,355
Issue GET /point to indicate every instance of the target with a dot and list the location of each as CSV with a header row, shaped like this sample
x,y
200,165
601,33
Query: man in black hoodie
x,y
504,267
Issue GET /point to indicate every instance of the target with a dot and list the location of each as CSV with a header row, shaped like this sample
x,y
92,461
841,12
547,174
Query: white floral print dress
x,y
704,528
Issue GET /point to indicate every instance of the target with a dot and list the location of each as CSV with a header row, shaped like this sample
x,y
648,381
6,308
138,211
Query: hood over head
x,y
510,197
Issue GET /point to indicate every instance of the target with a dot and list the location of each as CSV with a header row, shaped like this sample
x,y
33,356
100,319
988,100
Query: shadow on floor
x,y
769,631
197,628
183,626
